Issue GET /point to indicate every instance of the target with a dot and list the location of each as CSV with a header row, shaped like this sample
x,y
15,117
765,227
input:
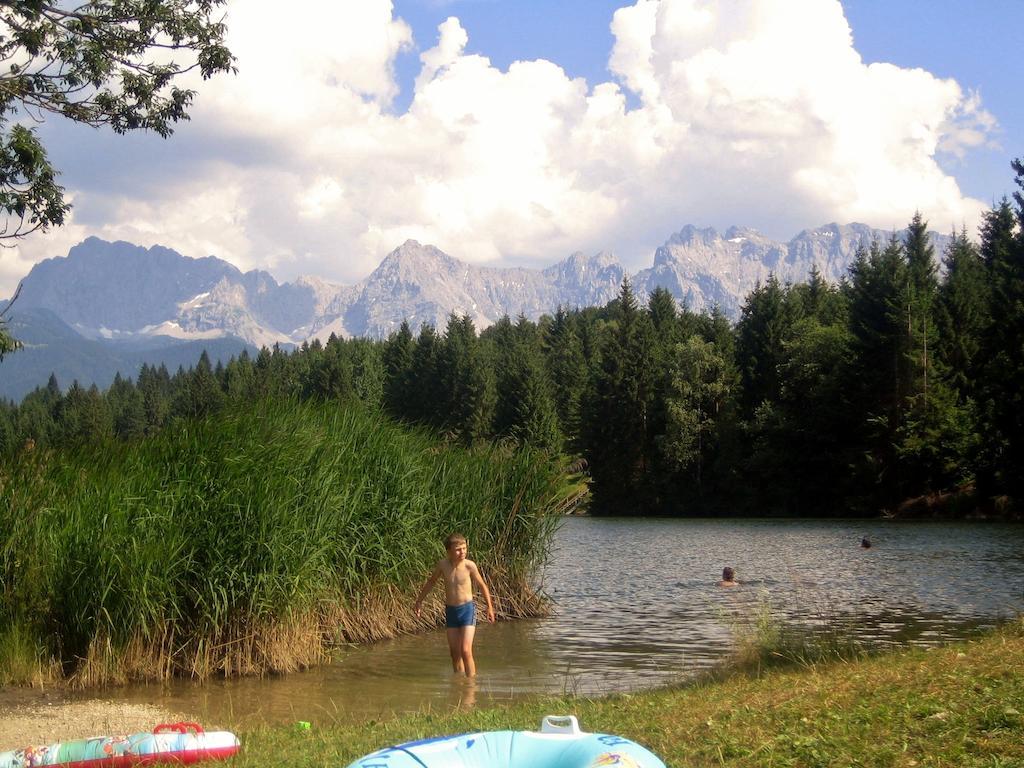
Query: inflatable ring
x,y
558,744
169,742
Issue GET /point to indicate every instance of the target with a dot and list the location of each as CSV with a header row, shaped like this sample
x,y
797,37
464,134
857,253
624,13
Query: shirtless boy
x,y
459,576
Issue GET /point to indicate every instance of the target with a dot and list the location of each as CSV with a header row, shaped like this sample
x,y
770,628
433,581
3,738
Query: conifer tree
x,y
879,374
1003,250
525,408
397,361
922,286
934,439
962,317
82,417
330,375
765,324
714,326
819,299
665,326
568,369
155,387
620,445
53,393
664,318
126,408
467,382
426,386
240,379
198,391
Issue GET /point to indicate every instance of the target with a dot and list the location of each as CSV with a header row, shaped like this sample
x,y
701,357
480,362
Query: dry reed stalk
x,y
279,646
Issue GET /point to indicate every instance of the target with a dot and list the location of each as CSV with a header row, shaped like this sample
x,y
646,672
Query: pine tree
x,y
962,316
879,374
240,379
525,407
922,286
665,325
568,368
397,360
1003,250
198,391
819,299
53,393
127,409
934,440
620,445
766,321
331,374
427,401
155,387
664,318
468,383
82,417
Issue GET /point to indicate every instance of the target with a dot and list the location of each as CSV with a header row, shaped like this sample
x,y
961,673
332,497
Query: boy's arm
x,y
431,580
474,574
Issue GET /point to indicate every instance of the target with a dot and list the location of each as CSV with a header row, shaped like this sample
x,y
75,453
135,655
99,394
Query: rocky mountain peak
x,y
412,258
690,235
119,290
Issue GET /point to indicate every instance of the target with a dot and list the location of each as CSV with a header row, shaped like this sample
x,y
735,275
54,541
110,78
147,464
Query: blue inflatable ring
x,y
558,744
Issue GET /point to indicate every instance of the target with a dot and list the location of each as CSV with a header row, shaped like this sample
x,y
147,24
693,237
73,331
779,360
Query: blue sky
x,y
515,132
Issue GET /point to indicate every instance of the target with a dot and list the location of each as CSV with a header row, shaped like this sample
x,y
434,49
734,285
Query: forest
x,y
896,391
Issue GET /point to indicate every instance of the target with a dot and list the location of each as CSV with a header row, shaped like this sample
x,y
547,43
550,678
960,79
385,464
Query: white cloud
x,y
755,112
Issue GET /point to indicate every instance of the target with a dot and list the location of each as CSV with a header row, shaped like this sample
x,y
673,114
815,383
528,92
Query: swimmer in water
x,y
728,578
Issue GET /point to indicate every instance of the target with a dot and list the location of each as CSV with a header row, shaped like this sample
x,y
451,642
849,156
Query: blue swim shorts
x,y
456,616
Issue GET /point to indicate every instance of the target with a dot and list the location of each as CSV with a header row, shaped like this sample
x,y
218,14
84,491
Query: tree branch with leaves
x,y
114,63
7,342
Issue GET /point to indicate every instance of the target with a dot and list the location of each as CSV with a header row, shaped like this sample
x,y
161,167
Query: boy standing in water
x,y
460,574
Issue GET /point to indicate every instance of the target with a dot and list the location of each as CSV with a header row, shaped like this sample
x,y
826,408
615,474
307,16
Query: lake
x,y
637,605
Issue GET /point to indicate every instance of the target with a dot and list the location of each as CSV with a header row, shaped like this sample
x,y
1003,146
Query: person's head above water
x,y
728,574
865,542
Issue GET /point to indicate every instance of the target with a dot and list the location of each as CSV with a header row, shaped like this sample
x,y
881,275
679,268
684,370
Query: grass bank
x,y
959,705
251,542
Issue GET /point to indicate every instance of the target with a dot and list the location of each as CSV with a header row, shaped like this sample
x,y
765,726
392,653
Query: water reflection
x,y
638,605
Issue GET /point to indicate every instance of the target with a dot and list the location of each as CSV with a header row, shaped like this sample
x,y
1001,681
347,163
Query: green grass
x,y
252,541
762,639
956,706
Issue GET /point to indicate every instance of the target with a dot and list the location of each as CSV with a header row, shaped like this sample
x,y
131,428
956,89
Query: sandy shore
x,y
44,723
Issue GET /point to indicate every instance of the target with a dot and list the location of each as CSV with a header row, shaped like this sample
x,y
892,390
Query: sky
x,y
516,132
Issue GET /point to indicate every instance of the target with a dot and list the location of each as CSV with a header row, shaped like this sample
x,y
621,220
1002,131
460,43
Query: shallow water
x,y
637,605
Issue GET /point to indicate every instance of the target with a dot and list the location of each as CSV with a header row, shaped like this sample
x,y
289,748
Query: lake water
x,y
637,605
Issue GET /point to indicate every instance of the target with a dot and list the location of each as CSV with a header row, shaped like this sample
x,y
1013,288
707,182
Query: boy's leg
x,y
455,648
466,648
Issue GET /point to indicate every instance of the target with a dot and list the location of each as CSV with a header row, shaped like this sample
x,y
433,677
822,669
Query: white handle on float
x,y
560,724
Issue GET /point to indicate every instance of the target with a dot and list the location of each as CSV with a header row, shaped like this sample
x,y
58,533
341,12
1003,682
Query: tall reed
x,y
252,541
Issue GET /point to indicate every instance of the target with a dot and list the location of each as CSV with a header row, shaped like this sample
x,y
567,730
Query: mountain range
x,y
118,305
